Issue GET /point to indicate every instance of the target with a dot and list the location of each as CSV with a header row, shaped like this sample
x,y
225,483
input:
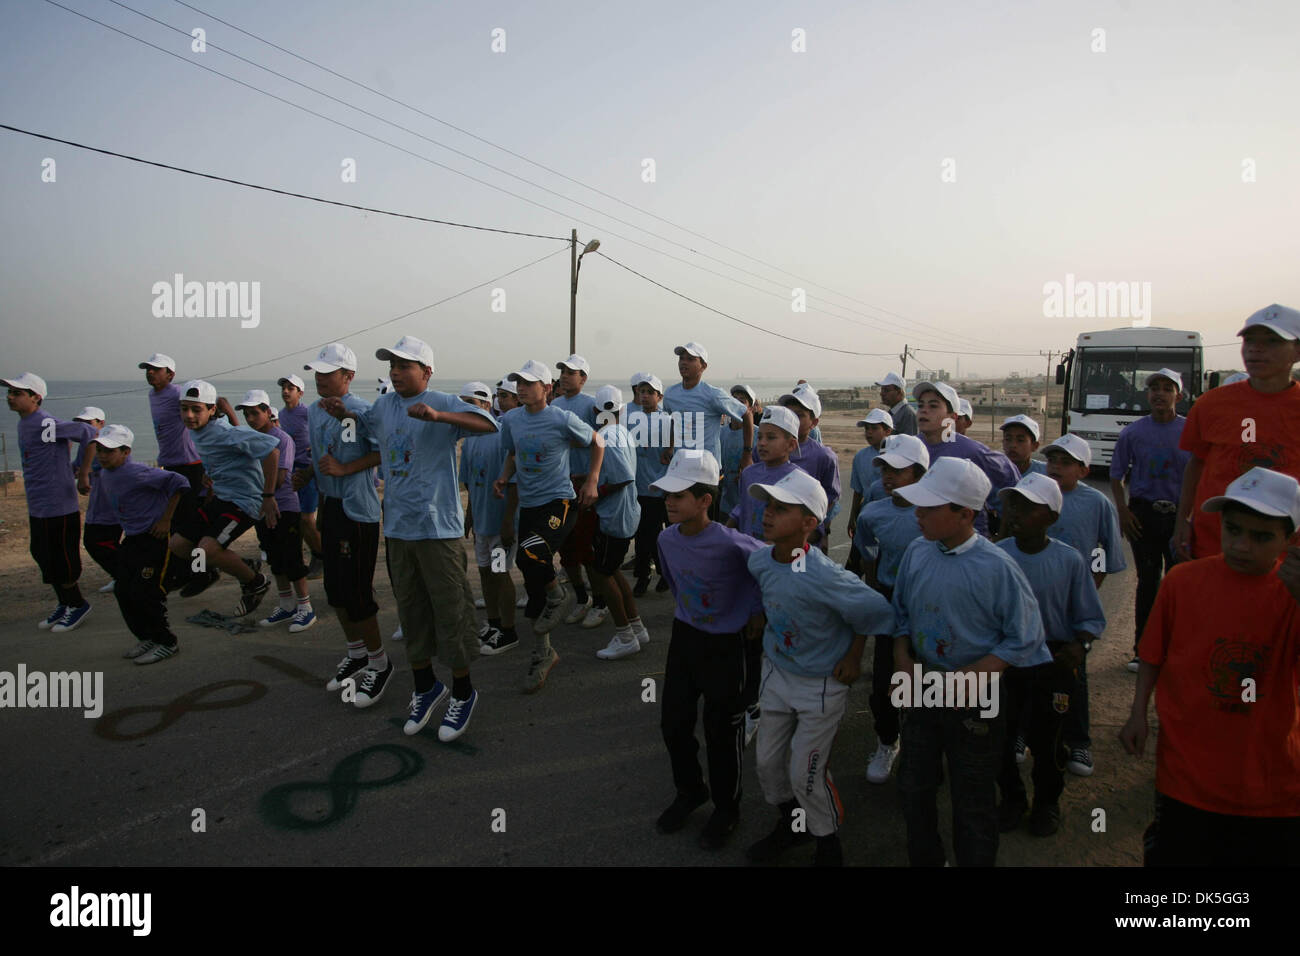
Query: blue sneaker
x,y
301,621
55,616
422,708
456,722
72,617
278,616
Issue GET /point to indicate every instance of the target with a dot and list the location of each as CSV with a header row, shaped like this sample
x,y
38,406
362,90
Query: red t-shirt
x,y
1211,628
1213,433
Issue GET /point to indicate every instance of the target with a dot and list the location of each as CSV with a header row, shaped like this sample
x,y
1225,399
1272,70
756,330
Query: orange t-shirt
x,y
1211,628
1214,433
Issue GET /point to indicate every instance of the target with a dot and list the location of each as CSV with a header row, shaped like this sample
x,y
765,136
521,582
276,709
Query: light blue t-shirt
x,y
1064,590
702,430
232,458
357,491
733,446
749,510
813,611
541,446
893,528
619,512
421,488
1088,520
481,458
878,492
959,605
864,472
584,406
651,435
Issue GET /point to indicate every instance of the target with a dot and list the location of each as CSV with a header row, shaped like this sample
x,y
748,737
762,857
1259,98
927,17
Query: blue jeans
x,y
973,746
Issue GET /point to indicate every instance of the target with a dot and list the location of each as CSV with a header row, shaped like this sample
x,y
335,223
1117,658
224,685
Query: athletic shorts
x,y
609,552
308,497
214,518
56,547
283,545
575,549
350,550
193,473
485,544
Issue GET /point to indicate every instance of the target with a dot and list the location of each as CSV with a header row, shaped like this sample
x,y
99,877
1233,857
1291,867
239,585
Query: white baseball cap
x,y
255,397
1234,378
158,360
30,381
878,416
574,363
645,378
1024,421
410,349
1260,489
609,398
293,380
892,378
949,481
806,396
1166,373
948,393
742,387
89,414
963,408
385,386
899,451
693,348
116,436
533,371
690,466
476,390
507,384
198,390
333,357
1074,446
796,488
1285,322
1039,489
782,418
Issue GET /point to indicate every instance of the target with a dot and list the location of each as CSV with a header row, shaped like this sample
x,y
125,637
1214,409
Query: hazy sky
x,y
828,164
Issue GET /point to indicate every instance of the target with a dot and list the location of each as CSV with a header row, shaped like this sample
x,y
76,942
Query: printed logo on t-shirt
x,y
1232,662
1259,455
694,597
399,453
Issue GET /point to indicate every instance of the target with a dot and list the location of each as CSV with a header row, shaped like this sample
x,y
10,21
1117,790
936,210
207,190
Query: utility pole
x,y
1047,385
573,293
903,359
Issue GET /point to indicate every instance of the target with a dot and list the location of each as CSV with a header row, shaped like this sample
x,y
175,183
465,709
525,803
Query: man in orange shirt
x,y
1221,649
1237,427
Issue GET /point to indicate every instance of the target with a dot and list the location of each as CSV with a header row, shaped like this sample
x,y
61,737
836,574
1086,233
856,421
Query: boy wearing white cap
x,y
1089,524
963,605
717,611
1072,619
281,541
813,457
965,415
1221,650
818,619
576,548
294,420
732,442
649,421
537,438
54,515
103,536
1020,436
877,426
417,430
1147,453
1235,427
176,450
142,500
895,401
481,458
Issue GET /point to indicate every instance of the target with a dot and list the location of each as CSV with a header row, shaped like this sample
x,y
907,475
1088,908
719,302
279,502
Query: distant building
x,y
932,375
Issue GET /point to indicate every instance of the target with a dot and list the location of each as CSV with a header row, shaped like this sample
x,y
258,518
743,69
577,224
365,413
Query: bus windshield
x,y
1112,381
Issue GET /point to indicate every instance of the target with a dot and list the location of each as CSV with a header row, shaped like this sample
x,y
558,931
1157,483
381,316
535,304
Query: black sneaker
x,y
347,668
674,818
498,643
1044,820
372,684
829,851
1010,813
199,583
642,585
718,829
251,594
777,842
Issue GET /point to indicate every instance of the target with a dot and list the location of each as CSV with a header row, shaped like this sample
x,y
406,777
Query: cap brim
x,y
1002,493
387,355
1064,451
321,367
522,377
1289,336
894,461
109,443
672,484
1216,504
924,497
287,381
147,365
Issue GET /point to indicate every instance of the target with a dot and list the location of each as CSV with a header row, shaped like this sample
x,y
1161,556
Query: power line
x,y
345,335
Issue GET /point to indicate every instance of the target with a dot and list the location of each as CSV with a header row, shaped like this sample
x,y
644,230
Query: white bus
x,y
1105,375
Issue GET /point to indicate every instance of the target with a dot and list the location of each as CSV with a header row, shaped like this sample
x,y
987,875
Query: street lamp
x,y
575,263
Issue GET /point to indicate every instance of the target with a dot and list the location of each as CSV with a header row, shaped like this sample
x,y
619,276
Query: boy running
x,y
103,536
576,549
175,445
649,421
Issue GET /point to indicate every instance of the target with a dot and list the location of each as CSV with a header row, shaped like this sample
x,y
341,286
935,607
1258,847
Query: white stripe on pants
x,y
800,717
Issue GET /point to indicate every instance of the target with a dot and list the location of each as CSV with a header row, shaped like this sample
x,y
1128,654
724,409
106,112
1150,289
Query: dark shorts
x,y
576,549
193,473
56,547
214,518
350,550
609,552
283,545
308,497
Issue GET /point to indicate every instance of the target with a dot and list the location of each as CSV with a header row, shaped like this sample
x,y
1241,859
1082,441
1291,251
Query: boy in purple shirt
x,y
176,451
813,457
718,612
293,419
54,516
103,533
142,500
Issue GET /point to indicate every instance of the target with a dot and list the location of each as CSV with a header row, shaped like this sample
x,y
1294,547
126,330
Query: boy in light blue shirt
x,y
733,447
576,551
654,431
877,425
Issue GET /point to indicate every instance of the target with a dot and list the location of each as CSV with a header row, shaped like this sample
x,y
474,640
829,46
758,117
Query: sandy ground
x,y
581,765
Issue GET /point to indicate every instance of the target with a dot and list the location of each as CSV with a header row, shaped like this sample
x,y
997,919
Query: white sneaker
x,y
623,644
480,604
397,634
596,617
882,762
642,635
579,612
752,717
108,588
553,613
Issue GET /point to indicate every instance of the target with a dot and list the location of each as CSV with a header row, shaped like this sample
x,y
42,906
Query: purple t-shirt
x,y
51,486
285,497
997,466
1151,449
136,495
708,574
294,421
749,511
821,462
175,446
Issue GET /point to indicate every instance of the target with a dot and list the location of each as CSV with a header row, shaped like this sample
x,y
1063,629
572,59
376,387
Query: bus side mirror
x,y
1214,380
1060,374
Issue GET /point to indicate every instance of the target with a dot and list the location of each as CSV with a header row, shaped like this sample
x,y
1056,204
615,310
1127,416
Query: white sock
x,y
304,604
286,599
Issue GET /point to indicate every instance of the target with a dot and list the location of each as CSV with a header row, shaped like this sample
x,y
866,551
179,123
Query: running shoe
x,y
71,620
456,721
422,706
372,685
